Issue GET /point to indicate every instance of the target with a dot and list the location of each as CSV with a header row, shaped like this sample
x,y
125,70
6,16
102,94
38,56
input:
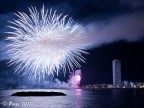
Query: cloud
x,y
133,3
128,27
11,81
3,28
3,48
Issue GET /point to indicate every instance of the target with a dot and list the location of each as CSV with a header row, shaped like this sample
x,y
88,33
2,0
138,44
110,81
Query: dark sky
x,y
115,29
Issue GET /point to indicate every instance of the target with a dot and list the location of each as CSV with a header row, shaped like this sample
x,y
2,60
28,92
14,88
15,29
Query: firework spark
x,y
45,42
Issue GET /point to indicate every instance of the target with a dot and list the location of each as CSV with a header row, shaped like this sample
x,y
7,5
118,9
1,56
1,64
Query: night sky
x,y
115,29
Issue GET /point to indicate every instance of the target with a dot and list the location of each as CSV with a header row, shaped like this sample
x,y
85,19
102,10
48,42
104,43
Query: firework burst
x,y
44,42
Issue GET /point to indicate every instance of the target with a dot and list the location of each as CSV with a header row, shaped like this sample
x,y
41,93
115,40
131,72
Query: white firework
x,y
44,42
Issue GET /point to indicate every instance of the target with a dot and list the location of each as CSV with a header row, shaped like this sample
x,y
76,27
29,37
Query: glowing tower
x,y
116,68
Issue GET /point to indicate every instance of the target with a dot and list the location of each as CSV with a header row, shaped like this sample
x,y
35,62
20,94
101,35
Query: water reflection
x,y
78,92
79,98
79,102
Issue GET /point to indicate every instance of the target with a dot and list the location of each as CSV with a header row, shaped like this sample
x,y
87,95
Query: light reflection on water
x,y
78,92
76,98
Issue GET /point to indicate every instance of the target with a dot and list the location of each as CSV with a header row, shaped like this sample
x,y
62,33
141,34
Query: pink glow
x,y
78,78
75,79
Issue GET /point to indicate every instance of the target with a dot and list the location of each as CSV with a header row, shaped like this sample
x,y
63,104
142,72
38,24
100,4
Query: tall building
x,y
116,68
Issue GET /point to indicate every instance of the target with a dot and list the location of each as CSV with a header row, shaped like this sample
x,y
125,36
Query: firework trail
x,y
45,42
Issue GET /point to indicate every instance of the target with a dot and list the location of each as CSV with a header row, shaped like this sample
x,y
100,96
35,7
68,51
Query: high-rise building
x,y
116,68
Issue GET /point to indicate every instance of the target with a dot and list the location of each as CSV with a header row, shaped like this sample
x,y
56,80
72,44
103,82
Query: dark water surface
x,y
76,98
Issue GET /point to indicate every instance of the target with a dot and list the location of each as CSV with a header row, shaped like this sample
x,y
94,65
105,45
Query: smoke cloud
x,y
127,27
17,81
